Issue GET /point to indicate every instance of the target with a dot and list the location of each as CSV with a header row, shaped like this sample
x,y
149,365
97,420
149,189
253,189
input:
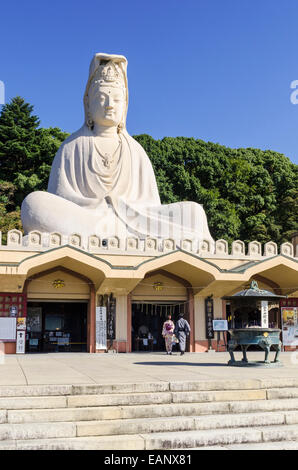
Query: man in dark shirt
x,y
182,330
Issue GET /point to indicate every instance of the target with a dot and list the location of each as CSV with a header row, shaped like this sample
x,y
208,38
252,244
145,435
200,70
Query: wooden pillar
x,y
91,320
129,320
191,319
224,310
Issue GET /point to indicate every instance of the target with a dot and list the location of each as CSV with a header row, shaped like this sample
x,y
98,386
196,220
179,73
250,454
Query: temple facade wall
x,y
158,279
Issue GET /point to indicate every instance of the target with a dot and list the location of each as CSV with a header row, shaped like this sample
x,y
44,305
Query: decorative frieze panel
x,y
55,239
37,241
287,249
113,243
221,247
254,249
151,244
187,245
132,243
204,247
238,248
75,240
14,238
168,244
94,242
270,249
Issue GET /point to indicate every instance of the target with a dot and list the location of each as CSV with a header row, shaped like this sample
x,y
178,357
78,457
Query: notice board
x,y
101,328
8,329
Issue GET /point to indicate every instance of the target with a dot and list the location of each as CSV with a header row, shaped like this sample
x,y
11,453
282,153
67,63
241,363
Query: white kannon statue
x,y
102,181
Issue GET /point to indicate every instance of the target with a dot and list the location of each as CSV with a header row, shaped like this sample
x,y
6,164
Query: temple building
x,y
58,285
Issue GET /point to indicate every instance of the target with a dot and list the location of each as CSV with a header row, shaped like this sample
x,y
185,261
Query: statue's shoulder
x,y
136,146
77,139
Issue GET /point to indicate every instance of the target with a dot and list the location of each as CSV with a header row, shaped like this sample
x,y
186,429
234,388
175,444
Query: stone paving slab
x,y
106,369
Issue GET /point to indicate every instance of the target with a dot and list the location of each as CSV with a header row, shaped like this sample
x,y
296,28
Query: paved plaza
x,y
111,368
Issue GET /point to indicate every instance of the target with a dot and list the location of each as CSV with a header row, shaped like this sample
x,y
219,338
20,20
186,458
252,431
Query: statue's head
x,y
106,95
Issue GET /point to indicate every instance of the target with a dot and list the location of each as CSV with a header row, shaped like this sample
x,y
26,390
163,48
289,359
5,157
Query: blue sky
x,y
218,70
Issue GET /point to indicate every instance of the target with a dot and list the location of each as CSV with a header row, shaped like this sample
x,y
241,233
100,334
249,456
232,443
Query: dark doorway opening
x,y
151,316
56,327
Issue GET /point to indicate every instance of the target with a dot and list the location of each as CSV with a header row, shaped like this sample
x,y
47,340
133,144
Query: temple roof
x,y
254,292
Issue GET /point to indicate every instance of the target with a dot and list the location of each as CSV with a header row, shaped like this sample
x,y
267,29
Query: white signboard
x,y
21,341
8,328
220,325
289,317
101,328
264,314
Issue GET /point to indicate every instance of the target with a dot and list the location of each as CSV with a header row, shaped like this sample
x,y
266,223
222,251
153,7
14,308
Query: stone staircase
x,y
253,414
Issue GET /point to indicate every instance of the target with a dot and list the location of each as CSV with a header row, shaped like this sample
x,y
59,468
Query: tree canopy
x,y
248,194
26,155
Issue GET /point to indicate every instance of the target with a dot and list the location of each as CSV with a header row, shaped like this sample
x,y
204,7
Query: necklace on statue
x,y
107,158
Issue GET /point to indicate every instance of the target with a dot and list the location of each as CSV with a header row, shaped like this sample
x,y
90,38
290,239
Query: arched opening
x,y
60,311
157,295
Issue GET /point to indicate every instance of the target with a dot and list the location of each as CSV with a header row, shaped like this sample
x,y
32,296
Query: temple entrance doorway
x,y
55,326
147,322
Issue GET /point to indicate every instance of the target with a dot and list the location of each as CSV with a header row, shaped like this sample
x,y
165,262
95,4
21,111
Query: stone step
x,y
28,403
182,423
113,412
263,405
37,431
218,396
277,393
63,415
165,397
90,389
19,415
246,384
278,445
35,390
147,387
207,408
126,442
220,437
76,401
237,438
129,399
144,425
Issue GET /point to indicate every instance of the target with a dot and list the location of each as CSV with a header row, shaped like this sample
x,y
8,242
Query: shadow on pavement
x,y
193,364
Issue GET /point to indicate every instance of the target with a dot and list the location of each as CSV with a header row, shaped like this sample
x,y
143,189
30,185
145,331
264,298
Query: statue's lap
x,y
47,212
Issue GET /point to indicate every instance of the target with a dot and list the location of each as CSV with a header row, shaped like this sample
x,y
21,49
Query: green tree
x,y
248,194
26,155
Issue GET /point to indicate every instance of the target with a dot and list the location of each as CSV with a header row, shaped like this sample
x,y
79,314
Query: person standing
x,y
182,330
168,332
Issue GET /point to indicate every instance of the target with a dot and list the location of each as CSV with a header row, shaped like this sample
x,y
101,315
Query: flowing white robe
x,y
85,198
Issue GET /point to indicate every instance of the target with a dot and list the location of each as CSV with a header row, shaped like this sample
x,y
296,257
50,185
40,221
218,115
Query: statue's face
x,y
106,105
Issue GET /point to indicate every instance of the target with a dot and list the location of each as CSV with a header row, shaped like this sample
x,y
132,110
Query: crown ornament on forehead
x,y
106,70
109,74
